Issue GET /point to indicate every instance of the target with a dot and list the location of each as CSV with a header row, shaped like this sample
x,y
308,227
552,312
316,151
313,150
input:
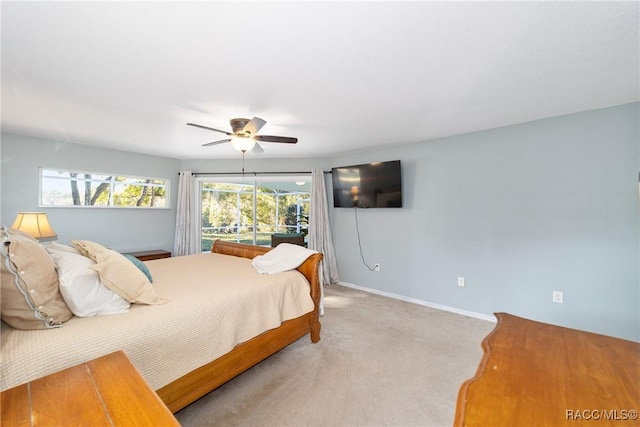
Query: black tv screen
x,y
372,185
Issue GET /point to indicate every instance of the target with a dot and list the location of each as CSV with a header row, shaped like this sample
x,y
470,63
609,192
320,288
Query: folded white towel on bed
x,y
283,257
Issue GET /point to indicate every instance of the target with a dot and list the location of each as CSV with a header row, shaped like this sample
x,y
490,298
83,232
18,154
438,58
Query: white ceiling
x,y
340,76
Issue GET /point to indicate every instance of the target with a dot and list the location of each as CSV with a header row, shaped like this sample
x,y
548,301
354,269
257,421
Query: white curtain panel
x,y
186,237
320,230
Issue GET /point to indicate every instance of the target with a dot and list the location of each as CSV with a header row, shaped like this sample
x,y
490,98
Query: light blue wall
x,y
120,229
519,212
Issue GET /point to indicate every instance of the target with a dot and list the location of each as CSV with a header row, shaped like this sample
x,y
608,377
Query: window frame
x,y
41,196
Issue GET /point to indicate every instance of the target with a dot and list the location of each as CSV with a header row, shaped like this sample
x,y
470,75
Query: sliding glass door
x,y
250,210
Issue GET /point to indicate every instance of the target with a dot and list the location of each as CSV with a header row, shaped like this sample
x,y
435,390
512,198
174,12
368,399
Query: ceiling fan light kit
x,y
242,143
244,136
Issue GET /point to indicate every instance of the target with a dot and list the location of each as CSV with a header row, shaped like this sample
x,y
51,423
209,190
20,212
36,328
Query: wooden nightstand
x,y
107,391
149,255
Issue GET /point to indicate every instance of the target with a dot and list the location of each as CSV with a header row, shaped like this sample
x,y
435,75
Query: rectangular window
x,y
251,210
73,188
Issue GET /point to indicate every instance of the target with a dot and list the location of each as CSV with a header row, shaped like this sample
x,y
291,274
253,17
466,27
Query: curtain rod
x,y
252,173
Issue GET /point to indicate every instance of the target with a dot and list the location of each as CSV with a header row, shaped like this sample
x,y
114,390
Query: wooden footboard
x,y
201,381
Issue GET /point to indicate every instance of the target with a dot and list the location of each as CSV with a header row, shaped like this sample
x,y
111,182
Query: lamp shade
x,y
35,224
241,143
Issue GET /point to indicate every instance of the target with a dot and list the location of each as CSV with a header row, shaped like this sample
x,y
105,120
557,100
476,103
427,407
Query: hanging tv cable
x,y
355,212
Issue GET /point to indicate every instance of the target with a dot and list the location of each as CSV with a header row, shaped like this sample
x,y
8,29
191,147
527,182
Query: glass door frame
x,y
254,180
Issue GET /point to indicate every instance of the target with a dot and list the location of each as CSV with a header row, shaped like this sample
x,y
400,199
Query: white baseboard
x,y
421,302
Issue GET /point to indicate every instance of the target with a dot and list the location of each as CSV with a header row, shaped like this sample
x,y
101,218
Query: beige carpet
x,y
380,362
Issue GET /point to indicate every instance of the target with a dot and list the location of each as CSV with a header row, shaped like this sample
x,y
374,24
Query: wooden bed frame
x,y
192,386
535,373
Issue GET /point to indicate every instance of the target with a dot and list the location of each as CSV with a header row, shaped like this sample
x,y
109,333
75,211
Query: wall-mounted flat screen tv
x,y
372,185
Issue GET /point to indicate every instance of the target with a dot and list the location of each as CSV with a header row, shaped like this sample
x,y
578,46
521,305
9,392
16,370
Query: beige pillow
x,y
31,298
90,249
119,274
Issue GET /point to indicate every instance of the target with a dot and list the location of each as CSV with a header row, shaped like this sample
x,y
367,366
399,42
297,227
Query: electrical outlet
x,y
376,267
460,281
558,297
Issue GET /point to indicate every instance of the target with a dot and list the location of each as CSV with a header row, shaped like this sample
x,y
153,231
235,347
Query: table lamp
x,y
35,224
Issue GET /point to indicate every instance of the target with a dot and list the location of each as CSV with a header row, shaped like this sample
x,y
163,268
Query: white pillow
x,y
80,286
283,257
54,247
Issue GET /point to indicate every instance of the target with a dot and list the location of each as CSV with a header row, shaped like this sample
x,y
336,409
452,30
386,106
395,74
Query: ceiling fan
x,y
243,136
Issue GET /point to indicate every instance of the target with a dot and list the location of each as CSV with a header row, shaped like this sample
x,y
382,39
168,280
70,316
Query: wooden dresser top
x,y
107,391
534,373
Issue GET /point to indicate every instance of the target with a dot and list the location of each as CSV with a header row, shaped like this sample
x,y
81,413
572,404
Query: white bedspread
x,y
215,302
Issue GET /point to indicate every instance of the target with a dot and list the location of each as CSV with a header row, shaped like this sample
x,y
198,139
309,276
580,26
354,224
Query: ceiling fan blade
x,y
271,138
257,149
208,128
208,144
254,126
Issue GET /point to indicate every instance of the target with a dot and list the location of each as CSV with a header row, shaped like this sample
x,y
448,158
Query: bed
x,y
217,318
